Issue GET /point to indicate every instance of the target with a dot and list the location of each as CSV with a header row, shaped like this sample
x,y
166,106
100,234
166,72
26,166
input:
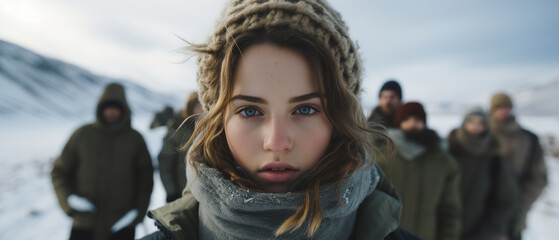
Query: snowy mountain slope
x,y
35,85
538,99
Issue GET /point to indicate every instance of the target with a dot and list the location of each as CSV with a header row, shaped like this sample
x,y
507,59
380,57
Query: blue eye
x,y
249,112
305,110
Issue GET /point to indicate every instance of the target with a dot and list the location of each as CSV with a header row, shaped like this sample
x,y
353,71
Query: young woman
x,y
490,195
283,150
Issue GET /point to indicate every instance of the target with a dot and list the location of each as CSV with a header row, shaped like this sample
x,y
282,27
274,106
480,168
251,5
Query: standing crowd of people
x,y
275,145
477,183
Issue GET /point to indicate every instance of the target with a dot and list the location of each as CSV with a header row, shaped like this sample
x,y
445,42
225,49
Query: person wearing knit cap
x,y
425,176
488,188
283,150
390,98
523,151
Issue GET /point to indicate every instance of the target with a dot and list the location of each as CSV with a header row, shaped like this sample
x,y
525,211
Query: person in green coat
x,y
172,167
522,149
103,178
490,195
425,176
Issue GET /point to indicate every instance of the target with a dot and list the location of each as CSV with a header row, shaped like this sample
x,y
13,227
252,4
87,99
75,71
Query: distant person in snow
x,y
104,177
425,176
523,151
390,98
172,167
490,195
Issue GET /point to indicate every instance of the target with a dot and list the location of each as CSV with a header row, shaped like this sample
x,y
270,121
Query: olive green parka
x,y
108,165
427,180
522,149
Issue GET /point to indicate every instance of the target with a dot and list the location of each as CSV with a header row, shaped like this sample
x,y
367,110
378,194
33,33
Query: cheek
x,y
315,139
240,139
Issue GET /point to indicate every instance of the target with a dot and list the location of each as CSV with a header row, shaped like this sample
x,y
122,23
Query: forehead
x,y
388,93
475,117
267,70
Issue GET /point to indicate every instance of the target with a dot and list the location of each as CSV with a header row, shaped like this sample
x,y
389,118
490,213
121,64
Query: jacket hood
x,y
113,93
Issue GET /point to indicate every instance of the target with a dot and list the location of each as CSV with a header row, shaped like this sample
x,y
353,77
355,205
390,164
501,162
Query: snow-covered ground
x,y
29,209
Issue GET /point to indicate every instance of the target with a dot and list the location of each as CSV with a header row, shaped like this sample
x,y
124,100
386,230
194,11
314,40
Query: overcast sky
x,y
439,50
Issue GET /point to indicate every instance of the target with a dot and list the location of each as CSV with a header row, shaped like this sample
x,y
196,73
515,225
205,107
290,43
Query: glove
x,y
125,220
80,204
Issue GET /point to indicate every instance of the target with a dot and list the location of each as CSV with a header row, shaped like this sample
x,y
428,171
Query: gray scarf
x,y
409,150
230,212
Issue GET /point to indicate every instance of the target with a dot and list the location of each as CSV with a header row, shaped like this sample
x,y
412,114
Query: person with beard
x,y
103,178
172,165
390,98
524,153
425,176
488,188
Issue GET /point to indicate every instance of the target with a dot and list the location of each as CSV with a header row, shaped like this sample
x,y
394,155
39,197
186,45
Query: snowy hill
x,y
44,87
538,99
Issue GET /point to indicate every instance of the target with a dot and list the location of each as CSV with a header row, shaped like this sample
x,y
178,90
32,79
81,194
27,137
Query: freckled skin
x,y
277,132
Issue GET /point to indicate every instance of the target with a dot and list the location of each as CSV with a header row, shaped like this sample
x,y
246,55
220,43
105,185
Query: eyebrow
x,y
262,101
304,97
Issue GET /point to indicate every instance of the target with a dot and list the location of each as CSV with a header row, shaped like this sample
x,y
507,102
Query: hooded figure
x,y
522,149
104,173
488,188
425,176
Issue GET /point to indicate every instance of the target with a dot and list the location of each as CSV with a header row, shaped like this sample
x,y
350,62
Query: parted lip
x,y
277,165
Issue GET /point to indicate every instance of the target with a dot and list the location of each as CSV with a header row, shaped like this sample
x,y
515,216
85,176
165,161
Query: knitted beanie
x,y
314,18
392,86
500,100
410,109
475,111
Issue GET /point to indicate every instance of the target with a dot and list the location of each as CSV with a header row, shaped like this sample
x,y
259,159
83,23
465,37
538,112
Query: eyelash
x,y
242,112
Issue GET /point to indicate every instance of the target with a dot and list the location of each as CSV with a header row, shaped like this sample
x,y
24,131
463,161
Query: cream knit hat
x,y
314,18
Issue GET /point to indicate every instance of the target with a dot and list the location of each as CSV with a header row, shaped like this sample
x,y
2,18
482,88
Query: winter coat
x,y
523,151
108,165
172,167
427,180
378,116
490,195
377,215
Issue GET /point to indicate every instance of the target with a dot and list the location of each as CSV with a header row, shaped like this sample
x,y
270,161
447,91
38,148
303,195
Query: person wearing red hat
x,y
425,176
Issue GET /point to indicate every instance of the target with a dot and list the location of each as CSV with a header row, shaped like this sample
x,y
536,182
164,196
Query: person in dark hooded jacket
x,y
490,195
104,177
425,176
172,167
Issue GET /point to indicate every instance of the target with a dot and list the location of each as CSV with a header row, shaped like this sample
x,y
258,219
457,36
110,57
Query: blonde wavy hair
x,y
351,145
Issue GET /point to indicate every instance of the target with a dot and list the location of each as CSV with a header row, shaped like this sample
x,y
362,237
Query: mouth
x,y
277,172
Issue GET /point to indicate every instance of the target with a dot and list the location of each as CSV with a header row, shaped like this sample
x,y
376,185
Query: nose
x,y
276,136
